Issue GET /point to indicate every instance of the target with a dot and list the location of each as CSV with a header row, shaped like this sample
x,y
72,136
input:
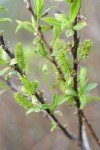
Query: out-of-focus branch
x,y
86,145
91,129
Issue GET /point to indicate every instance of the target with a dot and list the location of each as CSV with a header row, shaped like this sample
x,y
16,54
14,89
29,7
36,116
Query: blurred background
x,y
32,132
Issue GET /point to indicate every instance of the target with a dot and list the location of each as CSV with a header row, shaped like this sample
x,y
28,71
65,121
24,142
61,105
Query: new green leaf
x,y
39,7
89,87
80,25
83,101
5,20
2,8
74,9
2,72
52,21
24,25
69,33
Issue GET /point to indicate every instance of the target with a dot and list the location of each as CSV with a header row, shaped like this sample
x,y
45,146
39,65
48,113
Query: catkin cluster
x,y
85,48
40,47
30,86
20,56
64,62
23,101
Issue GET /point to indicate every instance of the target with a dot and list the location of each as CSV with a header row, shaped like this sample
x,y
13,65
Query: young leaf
x,y
33,23
52,21
24,25
69,33
92,98
13,61
45,68
5,20
34,109
39,7
56,33
59,113
82,77
2,61
47,10
45,106
74,9
2,72
54,102
83,101
66,24
54,126
34,100
89,87
61,17
2,8
46,28
71,92
64,99
80,25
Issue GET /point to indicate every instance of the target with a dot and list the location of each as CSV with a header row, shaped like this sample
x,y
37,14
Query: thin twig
x,y
91,129
75,69
11,55
86,144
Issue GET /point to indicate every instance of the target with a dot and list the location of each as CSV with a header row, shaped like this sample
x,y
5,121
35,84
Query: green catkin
x,y
64,62
85,48
20,56
40,47
23,101
30,86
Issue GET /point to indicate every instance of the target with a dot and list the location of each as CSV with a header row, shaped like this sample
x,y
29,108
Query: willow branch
x,y
29,7
41,35
39,97
91,129
86,144
47,111
75,69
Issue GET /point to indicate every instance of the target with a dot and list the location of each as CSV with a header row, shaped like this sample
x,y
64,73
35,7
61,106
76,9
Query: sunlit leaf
x,y
83,101
89,87
52,21
69,33
2,8
64,99
5,20
80,25
24,25
92,98
5,70
74,9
